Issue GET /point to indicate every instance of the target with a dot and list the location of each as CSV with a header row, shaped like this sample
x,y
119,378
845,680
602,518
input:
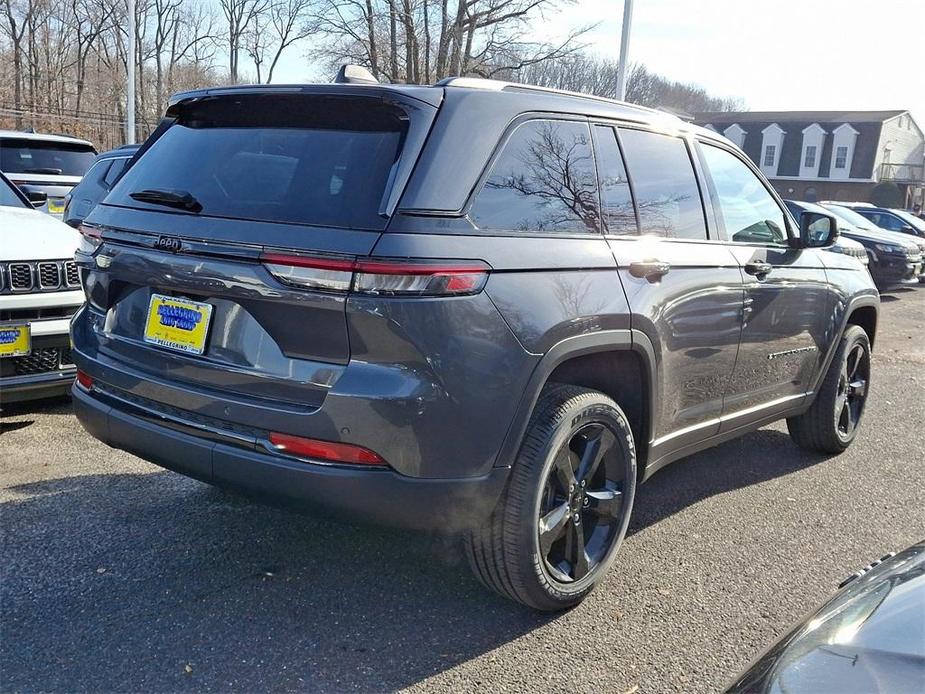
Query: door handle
x,y
652,270
758,268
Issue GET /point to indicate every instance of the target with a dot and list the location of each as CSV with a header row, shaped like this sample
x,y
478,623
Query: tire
x,y
844,391
507,553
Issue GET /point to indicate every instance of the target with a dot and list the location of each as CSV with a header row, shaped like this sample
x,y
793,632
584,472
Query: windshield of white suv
x,y
27,156
8,196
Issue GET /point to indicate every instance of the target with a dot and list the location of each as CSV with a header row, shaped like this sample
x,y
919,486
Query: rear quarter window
x,y
543,180
315,161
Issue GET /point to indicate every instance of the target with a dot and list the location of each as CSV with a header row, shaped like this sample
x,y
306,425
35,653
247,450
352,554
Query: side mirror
x,y
817,230
907,230
37,197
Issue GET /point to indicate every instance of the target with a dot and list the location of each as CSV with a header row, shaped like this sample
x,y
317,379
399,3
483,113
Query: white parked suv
x,y
39,292
44,167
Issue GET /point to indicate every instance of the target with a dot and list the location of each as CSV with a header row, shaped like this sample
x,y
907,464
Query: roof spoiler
x,y
354,74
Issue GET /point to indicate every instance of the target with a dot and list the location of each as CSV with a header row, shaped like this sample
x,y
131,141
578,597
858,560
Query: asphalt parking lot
x,y
118,576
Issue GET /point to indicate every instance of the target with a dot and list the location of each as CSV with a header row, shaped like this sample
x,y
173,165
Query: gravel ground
x,y
117,575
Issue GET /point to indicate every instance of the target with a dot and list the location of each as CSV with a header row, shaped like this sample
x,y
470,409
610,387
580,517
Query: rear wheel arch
x,y
619,363
866,318
621,375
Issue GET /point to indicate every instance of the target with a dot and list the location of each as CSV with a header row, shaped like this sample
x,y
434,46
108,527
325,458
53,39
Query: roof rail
x,y
473,83
500,85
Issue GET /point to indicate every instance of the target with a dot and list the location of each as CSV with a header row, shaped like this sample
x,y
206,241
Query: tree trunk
x,y
371,33
17,83
393,43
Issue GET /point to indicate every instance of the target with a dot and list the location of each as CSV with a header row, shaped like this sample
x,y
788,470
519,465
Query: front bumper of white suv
x,y
46,307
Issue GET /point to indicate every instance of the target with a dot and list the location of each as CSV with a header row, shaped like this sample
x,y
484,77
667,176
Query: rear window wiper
x,y
181,199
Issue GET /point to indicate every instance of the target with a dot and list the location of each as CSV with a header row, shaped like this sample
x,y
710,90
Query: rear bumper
x,y
377,496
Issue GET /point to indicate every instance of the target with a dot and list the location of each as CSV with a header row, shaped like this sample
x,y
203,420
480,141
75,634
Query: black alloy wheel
x,y
562,517
832,420
582,503
852,390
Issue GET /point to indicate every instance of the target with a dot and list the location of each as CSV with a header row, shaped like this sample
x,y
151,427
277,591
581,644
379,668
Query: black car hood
x,y
891,237
869,637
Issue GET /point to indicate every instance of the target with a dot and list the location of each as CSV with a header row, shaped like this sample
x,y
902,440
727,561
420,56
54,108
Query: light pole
x,y
130,77
624,49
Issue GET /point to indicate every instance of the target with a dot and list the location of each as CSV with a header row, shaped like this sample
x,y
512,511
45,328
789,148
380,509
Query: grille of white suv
x,y
37,362
38,276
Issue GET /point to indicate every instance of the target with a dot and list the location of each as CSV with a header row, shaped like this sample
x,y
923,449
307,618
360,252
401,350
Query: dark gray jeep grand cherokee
x,y
477,307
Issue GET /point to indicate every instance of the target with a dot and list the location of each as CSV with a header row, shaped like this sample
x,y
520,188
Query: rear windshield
x,y
38,157
324,161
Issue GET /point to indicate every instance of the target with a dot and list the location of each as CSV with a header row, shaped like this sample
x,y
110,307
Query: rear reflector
x,y
327,451
381,276
84,380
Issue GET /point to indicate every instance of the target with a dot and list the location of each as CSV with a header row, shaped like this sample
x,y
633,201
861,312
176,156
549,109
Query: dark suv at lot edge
x,y
476,307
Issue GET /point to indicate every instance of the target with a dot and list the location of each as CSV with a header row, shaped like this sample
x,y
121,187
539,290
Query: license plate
x,y
178,324
56,205
15,340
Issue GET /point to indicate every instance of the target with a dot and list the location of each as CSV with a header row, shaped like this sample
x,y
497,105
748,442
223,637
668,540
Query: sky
x,y
773,54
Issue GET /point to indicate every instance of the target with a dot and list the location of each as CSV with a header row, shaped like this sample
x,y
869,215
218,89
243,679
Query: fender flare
x,y
569,348
856,302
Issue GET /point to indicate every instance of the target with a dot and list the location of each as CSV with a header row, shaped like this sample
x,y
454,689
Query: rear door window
x,y
743,204
324,161
27,156
542,181
617,212
664,183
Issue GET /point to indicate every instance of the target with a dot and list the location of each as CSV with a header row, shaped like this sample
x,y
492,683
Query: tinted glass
x,y
37,157
663,181
910,219
96,173
318,161
8,197
618,215
885,221
850,216
543,180
743,205
115,169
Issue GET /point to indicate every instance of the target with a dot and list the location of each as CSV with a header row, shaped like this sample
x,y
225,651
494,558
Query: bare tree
x,y
16,20
580,72
421,41
239,17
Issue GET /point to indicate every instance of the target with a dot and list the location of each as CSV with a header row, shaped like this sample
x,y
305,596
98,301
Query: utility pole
x,y
624,49
130,77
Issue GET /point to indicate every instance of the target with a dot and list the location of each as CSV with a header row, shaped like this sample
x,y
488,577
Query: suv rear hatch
x,y
51,166
236,188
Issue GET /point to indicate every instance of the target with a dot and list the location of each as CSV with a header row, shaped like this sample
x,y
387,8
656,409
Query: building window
x,y
769,153
841,157
809,161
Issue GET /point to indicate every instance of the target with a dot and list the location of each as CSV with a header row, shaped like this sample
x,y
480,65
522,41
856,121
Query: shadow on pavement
x,y
757,457
119,582
47,406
